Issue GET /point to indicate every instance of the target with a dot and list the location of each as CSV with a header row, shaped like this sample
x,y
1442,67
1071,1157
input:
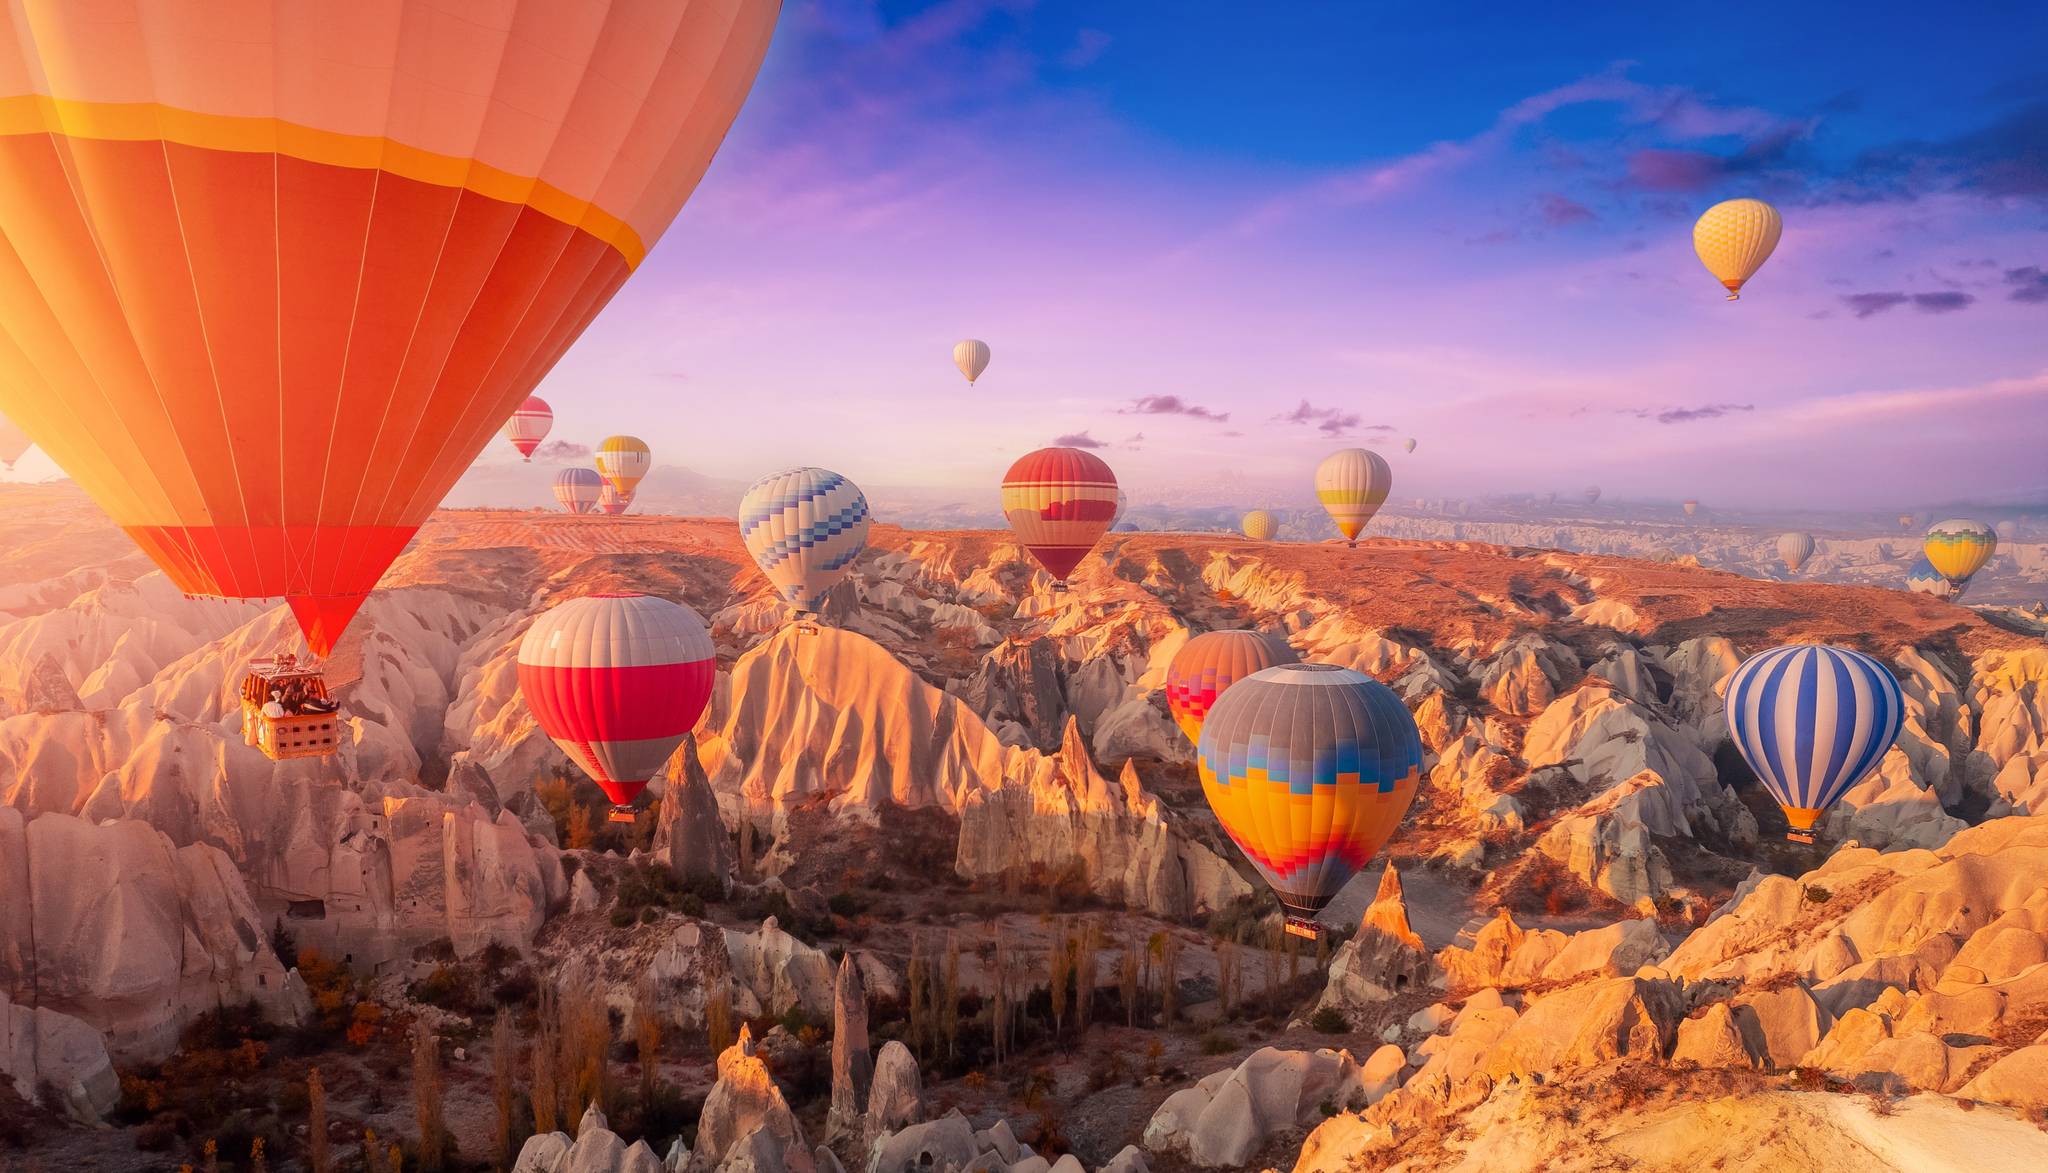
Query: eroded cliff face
x,y
156,934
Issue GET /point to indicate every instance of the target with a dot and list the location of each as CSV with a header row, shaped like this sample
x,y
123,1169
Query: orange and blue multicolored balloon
x,y
1309,767
1059,501
1959,548
277,272
616,681
1207,665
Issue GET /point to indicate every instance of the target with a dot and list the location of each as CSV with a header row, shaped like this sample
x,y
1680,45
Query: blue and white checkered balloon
x,y
804,528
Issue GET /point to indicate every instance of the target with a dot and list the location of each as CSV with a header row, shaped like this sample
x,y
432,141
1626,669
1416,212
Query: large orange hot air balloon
x,y
1059,502
274,272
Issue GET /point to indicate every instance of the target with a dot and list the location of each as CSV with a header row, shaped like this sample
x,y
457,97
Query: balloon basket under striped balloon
x,y
1805,837
1302,926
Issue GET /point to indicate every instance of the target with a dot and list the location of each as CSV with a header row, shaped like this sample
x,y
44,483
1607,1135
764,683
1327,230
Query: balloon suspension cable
x,y
1304,927
623,814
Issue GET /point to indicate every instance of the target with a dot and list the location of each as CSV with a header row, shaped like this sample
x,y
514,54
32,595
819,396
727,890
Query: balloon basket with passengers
x,y
286,711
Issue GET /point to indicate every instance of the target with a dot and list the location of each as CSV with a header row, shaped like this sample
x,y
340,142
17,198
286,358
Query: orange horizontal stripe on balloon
x,y
150,121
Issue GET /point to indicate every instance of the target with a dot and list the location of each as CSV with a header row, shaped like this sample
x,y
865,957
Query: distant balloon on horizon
x,y
1795,548
624,460
971,355
1408,445
1259,525
1959,548
1691,507
1923,579
530,425
1734,238
1352,484
578,490
1592,494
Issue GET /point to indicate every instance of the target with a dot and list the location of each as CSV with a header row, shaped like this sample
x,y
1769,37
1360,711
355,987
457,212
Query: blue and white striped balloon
x,y
804,528
1812,721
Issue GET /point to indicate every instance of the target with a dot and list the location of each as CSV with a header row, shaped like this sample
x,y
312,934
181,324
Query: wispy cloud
x,y
2028,284
1865,305
1558,210
1077,440
1945,302
1874,405
1671,114
1172,405
1330,421
1686,415
563,450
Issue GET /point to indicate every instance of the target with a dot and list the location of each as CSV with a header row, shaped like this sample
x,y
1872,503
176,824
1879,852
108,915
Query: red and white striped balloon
x,y
529,425
616,681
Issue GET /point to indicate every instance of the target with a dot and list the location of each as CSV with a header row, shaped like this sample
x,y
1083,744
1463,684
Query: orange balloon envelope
x,y
1210,663
1060,501
273,273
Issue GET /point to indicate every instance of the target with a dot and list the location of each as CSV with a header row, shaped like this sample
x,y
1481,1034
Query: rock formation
x,y
1224,1119
1056,814
896,1098
160,933
746,1112
852,1066
691,837
1384,959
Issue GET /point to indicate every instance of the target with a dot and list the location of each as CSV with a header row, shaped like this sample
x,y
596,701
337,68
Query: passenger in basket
x,y
275,708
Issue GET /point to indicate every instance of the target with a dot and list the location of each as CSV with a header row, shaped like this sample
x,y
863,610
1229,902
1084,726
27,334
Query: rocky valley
x,y
934,885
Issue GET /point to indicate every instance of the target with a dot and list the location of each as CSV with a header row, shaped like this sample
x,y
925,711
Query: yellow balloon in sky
x,y
1259,525
1735,238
